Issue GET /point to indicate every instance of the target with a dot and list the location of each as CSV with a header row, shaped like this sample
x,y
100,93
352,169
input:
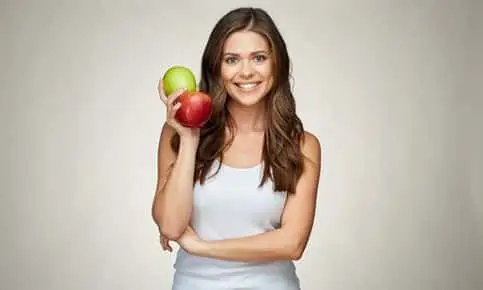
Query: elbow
x,y
171,231
296,254
156,216
171,234
295,251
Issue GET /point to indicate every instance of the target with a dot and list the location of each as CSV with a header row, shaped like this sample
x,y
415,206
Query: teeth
x,y
247,86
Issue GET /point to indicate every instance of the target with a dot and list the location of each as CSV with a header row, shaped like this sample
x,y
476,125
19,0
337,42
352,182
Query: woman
x,y
249,213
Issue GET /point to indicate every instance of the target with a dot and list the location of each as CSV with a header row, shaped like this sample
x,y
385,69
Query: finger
x,y
173,109
161,91
173,97
168,246
164,244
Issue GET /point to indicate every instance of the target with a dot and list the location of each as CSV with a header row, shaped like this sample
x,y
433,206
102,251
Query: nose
x,y
246,69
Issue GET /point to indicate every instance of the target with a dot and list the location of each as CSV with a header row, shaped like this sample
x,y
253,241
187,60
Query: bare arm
x,y
288,242
171,209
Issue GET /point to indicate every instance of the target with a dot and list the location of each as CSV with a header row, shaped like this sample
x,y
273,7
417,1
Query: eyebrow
x,y
252,53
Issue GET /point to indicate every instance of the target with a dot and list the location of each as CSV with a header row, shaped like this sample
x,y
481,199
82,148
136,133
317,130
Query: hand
x,y
171,107
165,243
190,242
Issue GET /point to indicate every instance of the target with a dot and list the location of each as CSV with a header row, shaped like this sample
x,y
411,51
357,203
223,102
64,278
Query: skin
x,y
246,60
172,204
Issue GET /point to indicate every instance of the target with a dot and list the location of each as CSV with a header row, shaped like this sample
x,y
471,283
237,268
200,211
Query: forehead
x,y
242,42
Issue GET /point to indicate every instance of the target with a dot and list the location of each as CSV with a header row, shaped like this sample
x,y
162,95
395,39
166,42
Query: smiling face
x,y
247,67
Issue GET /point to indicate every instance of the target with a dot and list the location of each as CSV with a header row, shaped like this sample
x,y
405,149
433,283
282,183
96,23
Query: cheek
x,y
266,70
227,73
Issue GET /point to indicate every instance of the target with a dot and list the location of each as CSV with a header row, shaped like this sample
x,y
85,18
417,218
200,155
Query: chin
x,y
248,94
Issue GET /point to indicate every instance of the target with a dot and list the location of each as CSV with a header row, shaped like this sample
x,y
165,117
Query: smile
x,y
247,86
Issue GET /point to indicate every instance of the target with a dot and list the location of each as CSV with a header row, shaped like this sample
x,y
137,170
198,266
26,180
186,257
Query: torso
x,y
231,205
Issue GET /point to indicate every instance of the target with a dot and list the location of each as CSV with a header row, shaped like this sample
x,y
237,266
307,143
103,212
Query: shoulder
x,y
311,147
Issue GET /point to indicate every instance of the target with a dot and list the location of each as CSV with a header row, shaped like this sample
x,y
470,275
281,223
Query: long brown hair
x,y
282,157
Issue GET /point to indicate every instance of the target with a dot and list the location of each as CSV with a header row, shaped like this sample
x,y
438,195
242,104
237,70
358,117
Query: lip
x,y
247,86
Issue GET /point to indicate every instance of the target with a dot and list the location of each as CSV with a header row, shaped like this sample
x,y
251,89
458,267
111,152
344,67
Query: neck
x,y
248,119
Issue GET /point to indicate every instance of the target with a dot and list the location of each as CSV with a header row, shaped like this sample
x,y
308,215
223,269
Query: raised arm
x,y
172,204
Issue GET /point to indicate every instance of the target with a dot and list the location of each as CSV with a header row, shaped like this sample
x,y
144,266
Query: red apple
x,y
196,108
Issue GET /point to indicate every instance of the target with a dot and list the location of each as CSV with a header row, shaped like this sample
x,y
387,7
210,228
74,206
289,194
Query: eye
x,y
260,58
230,59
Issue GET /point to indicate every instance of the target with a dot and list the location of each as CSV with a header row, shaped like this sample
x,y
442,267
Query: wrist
x,y
189,143
202,249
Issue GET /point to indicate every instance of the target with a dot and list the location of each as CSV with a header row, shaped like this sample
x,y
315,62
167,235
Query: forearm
x,y
267,247
172,208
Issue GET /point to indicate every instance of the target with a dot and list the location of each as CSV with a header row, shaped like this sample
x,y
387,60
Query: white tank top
x,y
231,205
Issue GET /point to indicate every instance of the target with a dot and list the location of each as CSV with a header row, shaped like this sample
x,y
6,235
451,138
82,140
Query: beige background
x,y
392,89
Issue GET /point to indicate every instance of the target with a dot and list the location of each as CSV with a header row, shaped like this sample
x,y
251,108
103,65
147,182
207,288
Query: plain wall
x,y
391,88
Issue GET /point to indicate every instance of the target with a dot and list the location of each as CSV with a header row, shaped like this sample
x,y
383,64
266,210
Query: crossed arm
x,y
286,243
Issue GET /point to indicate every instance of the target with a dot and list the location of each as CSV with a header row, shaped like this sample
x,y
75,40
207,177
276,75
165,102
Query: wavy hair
x,y
282,157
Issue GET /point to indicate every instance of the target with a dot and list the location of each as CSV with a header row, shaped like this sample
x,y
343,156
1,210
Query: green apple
x,y
178,77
